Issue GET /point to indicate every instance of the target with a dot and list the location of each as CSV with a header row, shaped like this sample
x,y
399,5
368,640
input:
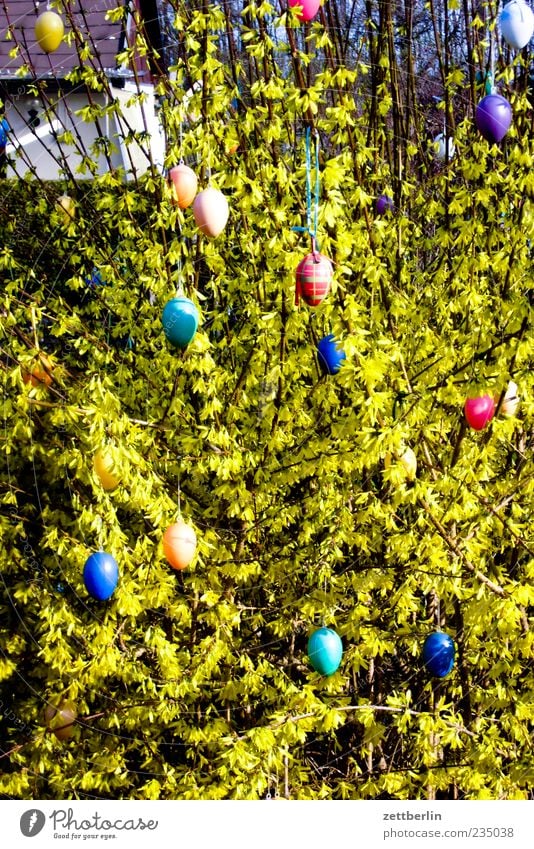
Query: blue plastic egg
x,y
325,651
94,280
438,654
330,356
100,575
4,129
180,321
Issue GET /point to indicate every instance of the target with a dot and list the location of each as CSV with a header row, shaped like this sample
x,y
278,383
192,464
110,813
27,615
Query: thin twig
x,y
495,588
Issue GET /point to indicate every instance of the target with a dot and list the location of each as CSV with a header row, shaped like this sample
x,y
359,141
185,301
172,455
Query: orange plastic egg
x,y
40,374
184,183
179,544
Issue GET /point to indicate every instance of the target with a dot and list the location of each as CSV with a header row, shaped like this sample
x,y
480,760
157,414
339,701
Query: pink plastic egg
x,y
309,8
210,209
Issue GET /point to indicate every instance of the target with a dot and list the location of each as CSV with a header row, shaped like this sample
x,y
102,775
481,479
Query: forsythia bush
x,y
196,684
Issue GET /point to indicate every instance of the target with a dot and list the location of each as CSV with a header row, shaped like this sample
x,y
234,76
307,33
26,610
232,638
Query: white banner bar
x,y
258,825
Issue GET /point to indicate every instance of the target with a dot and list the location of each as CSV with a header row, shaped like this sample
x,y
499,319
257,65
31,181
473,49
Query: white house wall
x,y
38,151
140,117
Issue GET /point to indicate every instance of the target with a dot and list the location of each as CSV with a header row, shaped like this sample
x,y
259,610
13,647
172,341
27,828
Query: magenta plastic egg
x,y
517,24
493,117
314,276
479,411
210,209
309,8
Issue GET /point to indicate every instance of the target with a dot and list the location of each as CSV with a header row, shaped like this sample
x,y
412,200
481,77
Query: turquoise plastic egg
x,y
325,651
180,321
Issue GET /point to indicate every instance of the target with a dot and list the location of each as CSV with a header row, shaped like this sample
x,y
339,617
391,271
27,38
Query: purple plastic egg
x,y
384,204
493,117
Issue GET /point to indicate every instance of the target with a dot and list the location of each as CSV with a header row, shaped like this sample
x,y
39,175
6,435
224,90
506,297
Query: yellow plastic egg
x,y
49,31
406,458
66,207
106,468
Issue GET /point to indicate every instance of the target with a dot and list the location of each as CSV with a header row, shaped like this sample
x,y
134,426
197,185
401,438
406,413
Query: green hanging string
x,y
312,210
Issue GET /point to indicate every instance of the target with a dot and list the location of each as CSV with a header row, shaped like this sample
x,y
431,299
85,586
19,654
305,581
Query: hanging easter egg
x,y
184,184
60,719
443,148
66,207
39,374
179,545
307,8
406,459
493,117
330,355
479,411
4,129
231,142
105,466
325,651
517,24
94,281
510,402
49,31
438,654
210,210
314,276
100,575
384,204
180,321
